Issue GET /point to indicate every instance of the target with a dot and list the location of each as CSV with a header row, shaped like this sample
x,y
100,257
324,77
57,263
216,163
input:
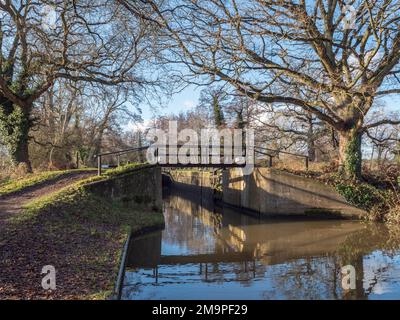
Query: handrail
x,y
121,151
285,152
146,147
306,158
136,149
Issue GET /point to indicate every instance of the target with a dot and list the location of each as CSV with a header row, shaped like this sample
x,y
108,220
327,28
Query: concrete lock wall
x,y
271,192
192,177
141,185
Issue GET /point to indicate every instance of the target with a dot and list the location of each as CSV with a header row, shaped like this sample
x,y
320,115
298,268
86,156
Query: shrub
x,y
381,204
393,216
362,195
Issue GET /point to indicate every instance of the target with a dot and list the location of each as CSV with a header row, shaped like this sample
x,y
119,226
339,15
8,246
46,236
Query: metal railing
x,y
118,153
265,151
270,153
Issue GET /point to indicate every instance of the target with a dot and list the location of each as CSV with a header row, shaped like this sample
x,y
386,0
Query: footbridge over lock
x,y
264,191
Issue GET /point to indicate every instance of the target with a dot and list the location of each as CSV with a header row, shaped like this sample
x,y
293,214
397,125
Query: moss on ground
x,y
78,232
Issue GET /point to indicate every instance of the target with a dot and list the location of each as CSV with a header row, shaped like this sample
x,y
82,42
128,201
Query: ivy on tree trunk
x,y
15,124
350,154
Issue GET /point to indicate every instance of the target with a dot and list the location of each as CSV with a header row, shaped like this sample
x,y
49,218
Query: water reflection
x,y
206,253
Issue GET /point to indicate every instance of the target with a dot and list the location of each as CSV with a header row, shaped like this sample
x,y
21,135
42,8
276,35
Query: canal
x,y
208,252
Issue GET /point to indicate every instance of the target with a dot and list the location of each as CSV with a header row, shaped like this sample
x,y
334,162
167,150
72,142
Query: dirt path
x,y
12,204
84,247
84,253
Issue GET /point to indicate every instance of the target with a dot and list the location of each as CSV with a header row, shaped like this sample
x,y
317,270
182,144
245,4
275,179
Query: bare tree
x,y
383,139
329,57
42,41
79,119
213,101
56,116
295,128
240,111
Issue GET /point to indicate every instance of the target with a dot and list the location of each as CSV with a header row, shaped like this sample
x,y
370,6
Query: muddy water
x,y
211,253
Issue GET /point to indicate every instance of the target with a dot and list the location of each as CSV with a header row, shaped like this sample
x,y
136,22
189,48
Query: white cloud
x,y
135,126
188,104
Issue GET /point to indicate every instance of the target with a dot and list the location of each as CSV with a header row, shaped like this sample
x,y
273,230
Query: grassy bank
x,y
77,232
11,186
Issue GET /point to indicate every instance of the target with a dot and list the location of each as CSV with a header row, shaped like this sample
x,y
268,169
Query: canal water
x,y
207,252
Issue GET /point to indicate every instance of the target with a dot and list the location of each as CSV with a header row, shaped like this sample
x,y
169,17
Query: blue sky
x,y
189,97
184,100
393,102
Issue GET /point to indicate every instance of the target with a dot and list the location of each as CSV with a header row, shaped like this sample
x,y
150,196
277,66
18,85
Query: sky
x,y
188,98
182,101
393,102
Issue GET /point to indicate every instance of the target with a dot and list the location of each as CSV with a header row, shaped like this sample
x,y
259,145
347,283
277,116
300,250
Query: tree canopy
x,y
330,57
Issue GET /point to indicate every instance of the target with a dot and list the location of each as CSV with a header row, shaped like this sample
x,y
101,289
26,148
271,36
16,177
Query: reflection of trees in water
x,y
392,243
309,278
249,270
320,277
374,237
198,227
133,285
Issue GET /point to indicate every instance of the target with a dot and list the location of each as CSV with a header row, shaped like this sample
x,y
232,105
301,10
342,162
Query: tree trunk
x,y
218,113
311,149
334,139
15,124
21,154
97,142
379,157
350,154
310,140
